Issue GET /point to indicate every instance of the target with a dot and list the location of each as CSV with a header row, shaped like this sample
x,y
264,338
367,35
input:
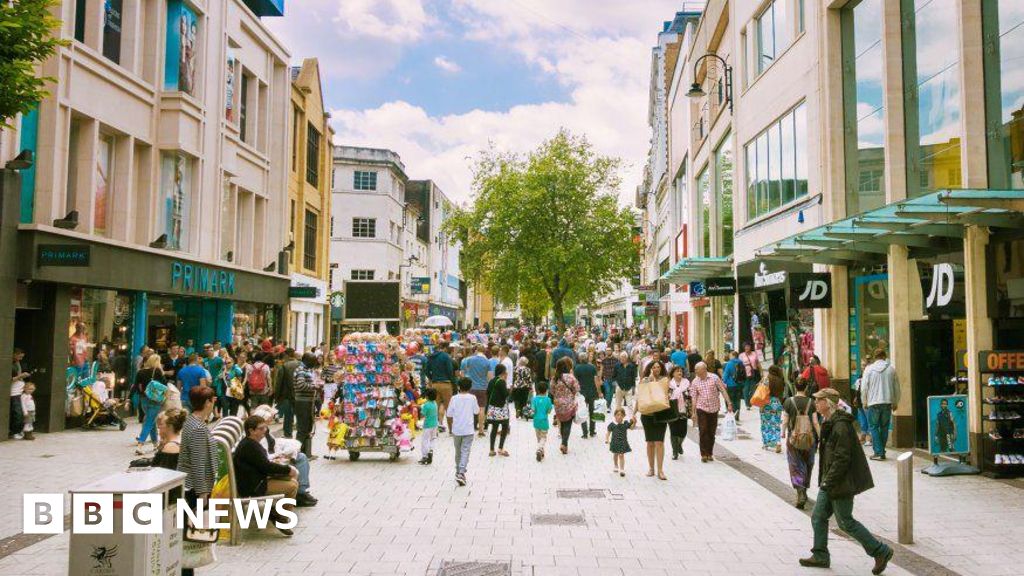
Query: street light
x,y
696,91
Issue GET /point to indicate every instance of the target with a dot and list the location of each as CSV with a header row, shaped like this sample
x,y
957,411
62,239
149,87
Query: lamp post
x,y
696,91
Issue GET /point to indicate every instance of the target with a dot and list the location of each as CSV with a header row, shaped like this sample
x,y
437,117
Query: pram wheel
x,y
353,456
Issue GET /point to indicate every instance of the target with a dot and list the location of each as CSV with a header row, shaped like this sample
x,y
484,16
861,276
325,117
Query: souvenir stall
x,y
367,417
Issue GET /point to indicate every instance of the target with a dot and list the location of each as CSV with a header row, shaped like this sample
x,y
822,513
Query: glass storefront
x,y
1005,92
100,330
864,106
727,322
869,317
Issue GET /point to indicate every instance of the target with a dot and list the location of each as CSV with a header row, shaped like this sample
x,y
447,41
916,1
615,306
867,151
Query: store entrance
x,y
932,367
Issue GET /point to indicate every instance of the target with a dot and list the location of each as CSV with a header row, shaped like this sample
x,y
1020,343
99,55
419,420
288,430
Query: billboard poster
x,y
176,183
104,156
233,91
947,425
182,45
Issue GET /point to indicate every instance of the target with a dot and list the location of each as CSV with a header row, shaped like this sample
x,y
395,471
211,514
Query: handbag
x,y
762,396
652,396
196,555
200,535
497,413
235,389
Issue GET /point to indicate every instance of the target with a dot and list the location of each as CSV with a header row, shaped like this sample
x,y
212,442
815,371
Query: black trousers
x,y
304,425
677,432
497,425
589,427
565,428
520,396
17,418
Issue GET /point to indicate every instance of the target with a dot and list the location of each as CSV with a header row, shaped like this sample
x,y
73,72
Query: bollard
x,y
905,483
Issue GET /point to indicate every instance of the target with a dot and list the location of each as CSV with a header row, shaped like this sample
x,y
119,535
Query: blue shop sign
x,y
201,279
450,313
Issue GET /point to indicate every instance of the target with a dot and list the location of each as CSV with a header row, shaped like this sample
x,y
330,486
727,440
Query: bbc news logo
x,y
144,513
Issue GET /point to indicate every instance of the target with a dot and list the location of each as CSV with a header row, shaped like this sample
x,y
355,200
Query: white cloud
x,y
447,65
391,20
599,51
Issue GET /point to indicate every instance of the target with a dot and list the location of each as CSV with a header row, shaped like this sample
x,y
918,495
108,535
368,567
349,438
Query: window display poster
x,y
182,38
947,425
104,157
176,184
232,89
112,30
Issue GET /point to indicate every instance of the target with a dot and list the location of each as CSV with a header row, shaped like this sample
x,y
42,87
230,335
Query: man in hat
x,y
843,474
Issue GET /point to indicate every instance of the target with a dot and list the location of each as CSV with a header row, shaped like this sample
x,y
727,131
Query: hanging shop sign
x,y
62,255
420,285
810,290
337,299
303,292
764,278
698,289
1001,360
942,284
947,425
201,279
725,286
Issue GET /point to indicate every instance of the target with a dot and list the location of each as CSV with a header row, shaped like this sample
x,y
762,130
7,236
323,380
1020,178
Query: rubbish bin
x,y
120,554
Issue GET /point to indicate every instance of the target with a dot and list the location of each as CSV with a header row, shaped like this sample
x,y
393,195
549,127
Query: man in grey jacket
x,y
880,393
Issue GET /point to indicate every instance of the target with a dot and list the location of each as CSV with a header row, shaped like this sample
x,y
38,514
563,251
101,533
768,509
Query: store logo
x,y
764,278
103,556
195,278
814,290
942,286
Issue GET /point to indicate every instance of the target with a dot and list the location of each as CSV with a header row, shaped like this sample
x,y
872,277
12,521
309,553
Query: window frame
x,y
310,239
761,143
364,227
313,138
362,274
368,182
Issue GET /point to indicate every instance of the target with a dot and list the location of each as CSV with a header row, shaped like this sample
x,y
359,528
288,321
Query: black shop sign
x,y
713,287
810,290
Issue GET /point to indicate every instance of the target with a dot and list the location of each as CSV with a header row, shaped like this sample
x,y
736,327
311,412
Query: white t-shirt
x,y
461,409
509,368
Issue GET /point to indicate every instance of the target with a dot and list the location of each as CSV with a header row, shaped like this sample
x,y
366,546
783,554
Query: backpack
x,y
257,379
802,435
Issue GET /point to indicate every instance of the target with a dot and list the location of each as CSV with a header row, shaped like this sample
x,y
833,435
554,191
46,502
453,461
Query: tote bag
x,y
652,396
762,396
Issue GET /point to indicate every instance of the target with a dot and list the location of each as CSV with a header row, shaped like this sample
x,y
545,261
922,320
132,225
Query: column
x,y
833,340
900,344
979,329
9,209
140,327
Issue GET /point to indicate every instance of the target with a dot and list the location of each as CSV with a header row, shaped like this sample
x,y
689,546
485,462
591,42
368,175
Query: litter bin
x,y
120,554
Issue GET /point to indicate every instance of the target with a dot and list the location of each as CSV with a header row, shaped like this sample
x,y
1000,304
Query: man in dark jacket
x,y
284,390
843,474
561,351
440,371
253,468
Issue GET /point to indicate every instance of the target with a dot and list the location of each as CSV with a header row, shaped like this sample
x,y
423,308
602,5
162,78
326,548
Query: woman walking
x,y
563,391
522,381
198,457
679,392
151,370
800,426
771,413
497,409
654,430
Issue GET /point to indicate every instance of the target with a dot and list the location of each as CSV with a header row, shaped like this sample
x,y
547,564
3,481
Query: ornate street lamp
x,y
696,91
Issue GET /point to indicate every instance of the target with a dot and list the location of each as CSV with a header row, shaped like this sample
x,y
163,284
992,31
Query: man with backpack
x,y
257,382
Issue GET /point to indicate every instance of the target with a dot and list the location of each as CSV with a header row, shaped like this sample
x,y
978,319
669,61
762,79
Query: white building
x,y
447,295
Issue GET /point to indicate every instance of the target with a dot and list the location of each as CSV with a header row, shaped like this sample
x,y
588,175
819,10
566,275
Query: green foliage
x,y
546,229
26,38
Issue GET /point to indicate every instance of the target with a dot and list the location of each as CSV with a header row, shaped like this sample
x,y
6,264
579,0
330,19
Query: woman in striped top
x,y
198,458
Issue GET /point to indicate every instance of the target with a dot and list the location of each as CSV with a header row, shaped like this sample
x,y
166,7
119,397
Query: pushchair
x,y
88,397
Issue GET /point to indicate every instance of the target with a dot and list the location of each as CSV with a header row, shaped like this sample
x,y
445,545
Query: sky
x,y
437,81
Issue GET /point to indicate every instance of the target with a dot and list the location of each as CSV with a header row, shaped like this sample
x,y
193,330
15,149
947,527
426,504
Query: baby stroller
x,y
88,396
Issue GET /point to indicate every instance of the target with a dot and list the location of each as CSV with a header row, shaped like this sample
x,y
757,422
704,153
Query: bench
x,y
227,432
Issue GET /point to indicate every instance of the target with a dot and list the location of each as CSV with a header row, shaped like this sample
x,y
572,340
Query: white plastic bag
x,y
600,405
729,427
582,415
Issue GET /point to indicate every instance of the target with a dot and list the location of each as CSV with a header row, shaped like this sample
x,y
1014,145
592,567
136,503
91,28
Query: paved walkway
x,y
377,517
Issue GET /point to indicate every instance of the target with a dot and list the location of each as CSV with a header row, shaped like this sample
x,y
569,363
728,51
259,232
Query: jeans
x,y
151,410
736,397
462,446
565,429
608,388
302,465
286,411
136,398
824,508
304,424
879,417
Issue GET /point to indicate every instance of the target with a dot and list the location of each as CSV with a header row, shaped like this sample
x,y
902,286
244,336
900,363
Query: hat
x,y
828,394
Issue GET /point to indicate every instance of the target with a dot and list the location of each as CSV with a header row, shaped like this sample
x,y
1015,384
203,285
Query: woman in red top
x,y
817,375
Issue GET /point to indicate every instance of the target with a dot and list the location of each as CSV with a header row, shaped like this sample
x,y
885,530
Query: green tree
x,y
26,38
546,225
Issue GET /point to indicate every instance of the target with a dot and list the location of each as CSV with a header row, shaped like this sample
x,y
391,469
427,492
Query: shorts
x,y
654,431
444,392
481,397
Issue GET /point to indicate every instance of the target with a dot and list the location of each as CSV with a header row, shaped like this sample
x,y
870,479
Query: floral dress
x,y
771,423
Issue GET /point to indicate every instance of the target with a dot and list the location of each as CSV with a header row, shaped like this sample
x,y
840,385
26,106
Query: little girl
x,y
619,440
28,409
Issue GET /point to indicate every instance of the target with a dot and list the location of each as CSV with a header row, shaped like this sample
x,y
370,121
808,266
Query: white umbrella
x,y
437,322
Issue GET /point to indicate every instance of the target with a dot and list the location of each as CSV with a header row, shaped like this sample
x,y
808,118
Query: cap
x,y
828,394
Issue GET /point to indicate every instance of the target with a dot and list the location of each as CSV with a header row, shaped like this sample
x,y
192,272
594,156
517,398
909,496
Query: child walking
x,y
462,411
619,440
498,415
541,405
429,434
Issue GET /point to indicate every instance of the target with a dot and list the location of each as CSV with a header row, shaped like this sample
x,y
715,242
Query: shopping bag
x,y
197,555
729,427
761,396
652,396
582,414
600,405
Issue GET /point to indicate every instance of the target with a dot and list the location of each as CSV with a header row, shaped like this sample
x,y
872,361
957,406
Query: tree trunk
x,y
556,309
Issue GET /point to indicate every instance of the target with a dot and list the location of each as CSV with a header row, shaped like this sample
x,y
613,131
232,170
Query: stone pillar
x,y
979,329
834,336
900,343
10,201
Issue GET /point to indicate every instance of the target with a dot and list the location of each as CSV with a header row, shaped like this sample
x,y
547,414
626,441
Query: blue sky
x,y
438,80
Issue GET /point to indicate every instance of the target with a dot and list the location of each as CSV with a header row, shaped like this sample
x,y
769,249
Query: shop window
x,y
932,69
864,106
774,31
776,164
1005,87
723,198
74,149
365,180
182,49
364,227
310,240
80,20
296,120
176,191
99,330
245,128
312,155
362,274
102,185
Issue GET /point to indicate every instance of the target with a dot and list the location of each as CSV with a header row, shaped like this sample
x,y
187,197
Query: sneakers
x,y
20,436
540,455
460,479
813,562
876,457
881,561
305,500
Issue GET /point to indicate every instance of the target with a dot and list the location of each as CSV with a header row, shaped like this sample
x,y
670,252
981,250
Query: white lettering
x,y
89,513
258,510
943,282
43,513
283,507
195,517
220,508
143,513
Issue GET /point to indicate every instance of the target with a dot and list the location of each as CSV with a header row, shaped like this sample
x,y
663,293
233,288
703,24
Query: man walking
x,y
284,391
441,374
880,392
478,368
625,381
843,474
706,392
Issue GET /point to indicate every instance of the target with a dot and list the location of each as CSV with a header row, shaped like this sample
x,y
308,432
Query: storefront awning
x,y
925,225
692,269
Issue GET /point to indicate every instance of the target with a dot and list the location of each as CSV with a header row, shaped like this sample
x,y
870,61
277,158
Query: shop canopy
x,y
695,269
926,225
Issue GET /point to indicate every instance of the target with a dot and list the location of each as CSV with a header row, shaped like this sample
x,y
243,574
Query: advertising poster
x,y
112,30
176,176
947,425
182,38
104,156
232,91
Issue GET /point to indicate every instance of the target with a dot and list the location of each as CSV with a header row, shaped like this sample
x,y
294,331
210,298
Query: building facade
x,y
875,194
309,211
151,214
